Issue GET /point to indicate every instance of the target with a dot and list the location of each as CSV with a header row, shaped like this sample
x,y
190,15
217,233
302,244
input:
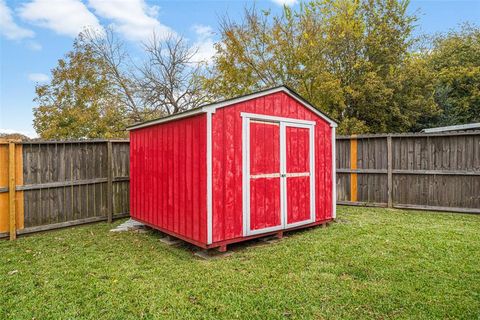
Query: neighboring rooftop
x,y
460,127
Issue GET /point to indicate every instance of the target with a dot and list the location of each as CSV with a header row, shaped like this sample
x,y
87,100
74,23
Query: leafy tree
x,y
350,58
455,60
79,101
13,136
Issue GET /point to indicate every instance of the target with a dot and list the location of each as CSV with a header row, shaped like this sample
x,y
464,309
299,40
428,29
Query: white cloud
x,y
133,18
66,17
285,2
38,77
203,31
204,43
8,27
34,46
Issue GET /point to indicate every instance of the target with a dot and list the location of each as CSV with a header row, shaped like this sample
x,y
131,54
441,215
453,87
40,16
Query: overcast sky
x,y
34,34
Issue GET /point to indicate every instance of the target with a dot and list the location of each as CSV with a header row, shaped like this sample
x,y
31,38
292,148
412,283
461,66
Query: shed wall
x,y
168,176
227,160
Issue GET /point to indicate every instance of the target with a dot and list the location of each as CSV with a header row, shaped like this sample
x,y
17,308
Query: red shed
x,y
237,169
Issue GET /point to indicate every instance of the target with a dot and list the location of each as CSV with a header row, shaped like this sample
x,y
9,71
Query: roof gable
x,y
225,103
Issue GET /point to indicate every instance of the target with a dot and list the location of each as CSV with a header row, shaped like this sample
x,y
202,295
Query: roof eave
x,y
166,119
460,127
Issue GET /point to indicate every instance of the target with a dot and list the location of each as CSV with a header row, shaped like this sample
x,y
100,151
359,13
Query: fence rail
x,y
52,184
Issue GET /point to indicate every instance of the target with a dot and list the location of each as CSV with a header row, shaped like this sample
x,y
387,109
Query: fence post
x,y
109,182
389,172
11,190
353,166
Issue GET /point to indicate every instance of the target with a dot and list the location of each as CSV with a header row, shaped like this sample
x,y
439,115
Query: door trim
x,y
266,117
283,122
311,140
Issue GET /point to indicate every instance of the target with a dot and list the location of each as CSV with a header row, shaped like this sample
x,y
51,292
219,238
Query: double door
x,y
278,180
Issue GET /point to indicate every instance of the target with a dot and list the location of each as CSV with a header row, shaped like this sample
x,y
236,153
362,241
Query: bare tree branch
x,y
165,83
168,76
108,47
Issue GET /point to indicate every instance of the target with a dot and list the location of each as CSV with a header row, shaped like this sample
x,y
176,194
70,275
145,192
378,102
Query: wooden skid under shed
x,y
225,243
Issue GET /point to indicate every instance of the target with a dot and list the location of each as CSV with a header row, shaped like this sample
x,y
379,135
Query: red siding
x,y
227,160
168,177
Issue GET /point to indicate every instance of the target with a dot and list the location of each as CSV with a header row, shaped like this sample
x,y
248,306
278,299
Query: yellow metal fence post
x,y
11,191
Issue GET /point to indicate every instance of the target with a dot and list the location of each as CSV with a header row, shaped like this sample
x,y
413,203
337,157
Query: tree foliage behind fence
x,y
63,183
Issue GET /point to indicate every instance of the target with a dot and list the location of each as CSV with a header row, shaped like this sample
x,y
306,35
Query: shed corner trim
x,y
334,174
209,113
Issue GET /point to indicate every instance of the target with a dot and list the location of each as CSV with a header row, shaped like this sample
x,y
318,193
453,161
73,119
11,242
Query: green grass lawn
x,y
373,263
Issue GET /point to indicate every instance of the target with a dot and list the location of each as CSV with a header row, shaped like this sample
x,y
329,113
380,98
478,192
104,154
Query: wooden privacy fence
x,y
414,171
51,184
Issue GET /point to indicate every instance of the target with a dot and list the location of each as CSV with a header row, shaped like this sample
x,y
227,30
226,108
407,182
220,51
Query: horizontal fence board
x,y
68,224
436,208
362,204
373,171
409,135
438,172
49,227
61,184
421,172
50,142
